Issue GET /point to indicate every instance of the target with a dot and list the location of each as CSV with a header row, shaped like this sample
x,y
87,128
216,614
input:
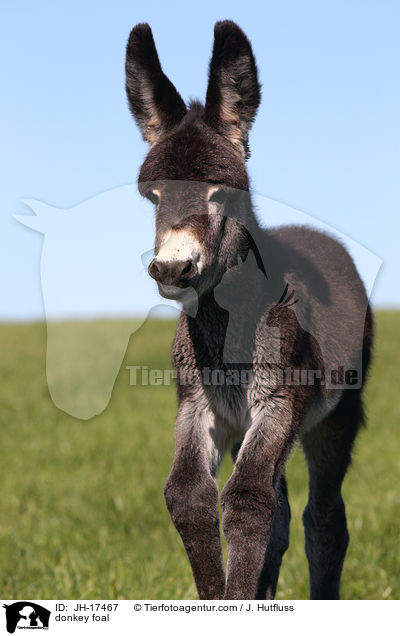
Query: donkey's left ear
x,y
233,93
153,100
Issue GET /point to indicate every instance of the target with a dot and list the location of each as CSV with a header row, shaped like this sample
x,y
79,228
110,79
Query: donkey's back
x,y
332,301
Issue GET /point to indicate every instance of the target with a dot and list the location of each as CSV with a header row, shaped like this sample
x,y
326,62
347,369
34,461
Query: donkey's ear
x,y
153,100
233,93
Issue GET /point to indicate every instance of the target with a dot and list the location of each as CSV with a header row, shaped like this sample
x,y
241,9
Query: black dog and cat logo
x,y
26,615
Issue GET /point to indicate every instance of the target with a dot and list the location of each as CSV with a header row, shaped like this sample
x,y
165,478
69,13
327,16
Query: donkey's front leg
x,y
248,499
191,495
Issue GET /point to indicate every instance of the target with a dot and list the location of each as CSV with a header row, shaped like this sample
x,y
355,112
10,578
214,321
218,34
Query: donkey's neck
x,y
226,321
223,337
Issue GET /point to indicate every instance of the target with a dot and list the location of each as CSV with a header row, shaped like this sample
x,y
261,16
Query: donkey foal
x,y
277,307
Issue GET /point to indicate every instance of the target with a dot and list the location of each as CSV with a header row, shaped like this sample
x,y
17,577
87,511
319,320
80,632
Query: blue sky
x,y
326,140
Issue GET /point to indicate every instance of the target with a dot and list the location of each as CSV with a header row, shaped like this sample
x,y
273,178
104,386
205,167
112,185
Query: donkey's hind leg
x,y
328,452
277,545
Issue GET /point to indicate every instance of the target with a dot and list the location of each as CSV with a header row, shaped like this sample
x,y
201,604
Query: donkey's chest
x,y
232,395
229,390
228,401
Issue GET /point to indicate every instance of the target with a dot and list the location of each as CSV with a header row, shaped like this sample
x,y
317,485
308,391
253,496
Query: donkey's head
x,y
195,172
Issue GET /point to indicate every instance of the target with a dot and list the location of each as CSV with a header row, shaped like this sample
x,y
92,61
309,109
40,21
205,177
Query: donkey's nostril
x,y
175,273
153,269
187,271
187,268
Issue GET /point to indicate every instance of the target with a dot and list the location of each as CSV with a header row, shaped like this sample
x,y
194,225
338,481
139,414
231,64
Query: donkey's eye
x,y
218,196
152,196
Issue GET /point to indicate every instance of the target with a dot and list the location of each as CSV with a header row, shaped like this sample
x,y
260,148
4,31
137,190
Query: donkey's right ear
x,y
233,93
153,100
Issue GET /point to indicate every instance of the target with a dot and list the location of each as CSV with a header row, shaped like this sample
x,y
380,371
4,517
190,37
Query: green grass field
x,y
82,513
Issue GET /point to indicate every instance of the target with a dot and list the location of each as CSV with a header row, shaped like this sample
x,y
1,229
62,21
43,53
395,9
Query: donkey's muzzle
x,y
173,273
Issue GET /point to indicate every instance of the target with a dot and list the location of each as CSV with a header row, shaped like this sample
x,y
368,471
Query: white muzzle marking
x,y
180,245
